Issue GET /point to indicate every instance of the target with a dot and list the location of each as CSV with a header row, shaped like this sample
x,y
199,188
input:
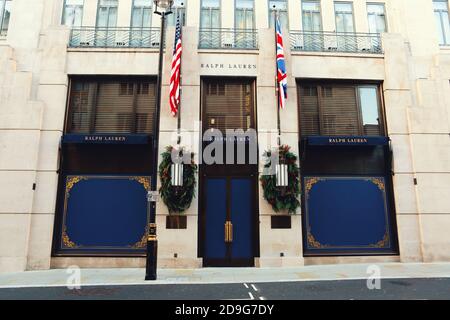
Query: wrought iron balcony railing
x,y
228,39
95,37
336,42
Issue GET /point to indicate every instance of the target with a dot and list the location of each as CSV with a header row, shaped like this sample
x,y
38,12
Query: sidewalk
x,y
99,277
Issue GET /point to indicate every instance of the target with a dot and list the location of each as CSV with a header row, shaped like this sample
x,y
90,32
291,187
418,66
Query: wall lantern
x,y
281,173
176,173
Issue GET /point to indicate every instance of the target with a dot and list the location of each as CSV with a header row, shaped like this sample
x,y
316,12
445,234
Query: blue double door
x,y
228,221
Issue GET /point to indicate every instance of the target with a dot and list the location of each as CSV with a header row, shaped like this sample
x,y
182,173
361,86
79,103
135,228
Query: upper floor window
x,y
245,14
281,8
377,17
311,17
210,14
442,21
122,105
178,10
73,13
344,16
333,109
107,13
5,13
141,15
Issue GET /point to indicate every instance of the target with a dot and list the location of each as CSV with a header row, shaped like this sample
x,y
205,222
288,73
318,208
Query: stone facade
x,y
35,62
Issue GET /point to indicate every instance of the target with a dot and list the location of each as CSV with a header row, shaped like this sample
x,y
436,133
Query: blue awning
x,y
347,141
106,138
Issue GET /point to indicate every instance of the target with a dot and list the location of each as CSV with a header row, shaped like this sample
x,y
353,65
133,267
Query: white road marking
x,y
262,298
254,288
245,285
251,296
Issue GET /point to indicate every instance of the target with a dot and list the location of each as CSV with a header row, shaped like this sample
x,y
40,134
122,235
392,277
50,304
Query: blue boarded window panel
x,y
105,213
347,215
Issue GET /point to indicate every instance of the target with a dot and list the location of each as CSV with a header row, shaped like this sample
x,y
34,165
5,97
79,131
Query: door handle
x,y
228,232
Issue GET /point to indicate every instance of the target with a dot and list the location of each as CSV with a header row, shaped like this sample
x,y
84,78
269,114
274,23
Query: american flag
x,y
281,67
175,84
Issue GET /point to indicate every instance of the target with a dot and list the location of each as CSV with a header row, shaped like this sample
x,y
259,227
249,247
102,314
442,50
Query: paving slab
x,y
124,276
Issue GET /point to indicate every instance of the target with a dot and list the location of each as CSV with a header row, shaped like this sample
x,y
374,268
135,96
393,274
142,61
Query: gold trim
x,y
313,243
378,182
144,181
310,183
66,240
72,181
383,243
141,243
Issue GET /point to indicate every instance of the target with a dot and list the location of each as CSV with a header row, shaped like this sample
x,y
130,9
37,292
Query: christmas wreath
x,y
282,198
177,199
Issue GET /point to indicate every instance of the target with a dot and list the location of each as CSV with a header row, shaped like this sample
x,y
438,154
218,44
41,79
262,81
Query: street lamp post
x,y
162,8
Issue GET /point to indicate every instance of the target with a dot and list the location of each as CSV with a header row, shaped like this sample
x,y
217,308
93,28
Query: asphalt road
x,y
391,289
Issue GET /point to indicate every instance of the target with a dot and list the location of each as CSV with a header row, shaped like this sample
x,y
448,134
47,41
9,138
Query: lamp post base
x,y
152,252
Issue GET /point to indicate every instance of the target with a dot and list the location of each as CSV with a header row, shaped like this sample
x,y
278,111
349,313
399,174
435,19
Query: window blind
x,y
228,105
335,109
112,107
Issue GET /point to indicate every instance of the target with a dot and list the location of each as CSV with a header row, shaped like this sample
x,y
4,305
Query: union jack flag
x,y
281,67
175,83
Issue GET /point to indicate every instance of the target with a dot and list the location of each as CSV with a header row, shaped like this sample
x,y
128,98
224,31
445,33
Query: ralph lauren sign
x,y
232,66
106,138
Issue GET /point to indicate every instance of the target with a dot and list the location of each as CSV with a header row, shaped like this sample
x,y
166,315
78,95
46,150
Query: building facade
x,y
368,115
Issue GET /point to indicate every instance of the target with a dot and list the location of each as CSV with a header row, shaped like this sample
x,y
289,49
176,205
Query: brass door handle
x,y
228,232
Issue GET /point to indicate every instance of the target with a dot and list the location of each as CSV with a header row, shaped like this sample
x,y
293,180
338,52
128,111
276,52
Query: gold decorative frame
x,y
71,181
313,243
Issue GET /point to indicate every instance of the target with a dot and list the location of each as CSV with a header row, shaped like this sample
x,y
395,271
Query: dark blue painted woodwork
x,y
241,217
347,215
104,213
216,213
228,199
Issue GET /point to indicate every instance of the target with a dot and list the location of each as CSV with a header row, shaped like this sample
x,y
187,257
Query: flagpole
x,y
277,85
181,88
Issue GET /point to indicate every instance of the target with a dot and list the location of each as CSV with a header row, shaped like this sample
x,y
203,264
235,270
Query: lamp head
x,y
164,5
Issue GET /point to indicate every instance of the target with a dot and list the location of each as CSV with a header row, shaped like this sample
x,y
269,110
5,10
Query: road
x,y
436,288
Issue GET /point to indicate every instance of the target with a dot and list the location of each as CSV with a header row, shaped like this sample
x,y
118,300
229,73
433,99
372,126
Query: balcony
x,y
95,37
233,39
369,43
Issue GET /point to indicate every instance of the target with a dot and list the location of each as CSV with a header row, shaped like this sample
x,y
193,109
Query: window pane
x,y
311,16
244,14
369,105
376,17
210,3
210,14
73,13
112,106
179,10
440,5
5,16
442,21
344,16
244,4
445,18
335,109
281,7
142,12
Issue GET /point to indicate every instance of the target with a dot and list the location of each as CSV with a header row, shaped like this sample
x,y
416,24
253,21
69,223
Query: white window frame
x,y
2,16
382,4
442,28
63,15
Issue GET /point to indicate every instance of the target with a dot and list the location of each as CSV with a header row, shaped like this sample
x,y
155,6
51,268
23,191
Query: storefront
x,y
346,170
228,217
105,167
